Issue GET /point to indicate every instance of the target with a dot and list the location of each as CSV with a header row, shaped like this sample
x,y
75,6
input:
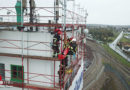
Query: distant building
x,y
128,29
126,47
127,36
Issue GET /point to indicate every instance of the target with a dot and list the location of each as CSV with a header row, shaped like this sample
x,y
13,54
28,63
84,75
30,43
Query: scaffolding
x,y
42,21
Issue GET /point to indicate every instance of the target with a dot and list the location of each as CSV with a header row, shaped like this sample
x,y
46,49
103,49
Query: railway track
x,y
111,59
99,51
94,70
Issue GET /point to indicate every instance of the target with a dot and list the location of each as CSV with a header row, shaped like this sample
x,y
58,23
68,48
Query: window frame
x,y
3,75
17,71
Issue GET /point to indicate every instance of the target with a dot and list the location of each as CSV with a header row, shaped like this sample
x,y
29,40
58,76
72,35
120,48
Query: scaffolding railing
x,y
49,15
73,20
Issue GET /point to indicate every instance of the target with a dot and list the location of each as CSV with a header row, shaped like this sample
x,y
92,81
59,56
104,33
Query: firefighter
x,y
72,46
56,39
65,61
61,73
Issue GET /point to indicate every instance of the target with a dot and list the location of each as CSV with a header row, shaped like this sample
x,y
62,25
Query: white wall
x,y
77,84
30,36
35,66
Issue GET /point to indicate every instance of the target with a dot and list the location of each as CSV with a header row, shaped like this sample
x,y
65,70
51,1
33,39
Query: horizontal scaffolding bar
x,y
40,24
29,56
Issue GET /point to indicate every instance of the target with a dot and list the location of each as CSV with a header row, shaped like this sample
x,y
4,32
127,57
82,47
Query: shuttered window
x,y
2,71
16,73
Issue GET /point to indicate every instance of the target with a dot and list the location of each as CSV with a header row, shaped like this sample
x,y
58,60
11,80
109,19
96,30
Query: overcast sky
x,y
116,12
113,12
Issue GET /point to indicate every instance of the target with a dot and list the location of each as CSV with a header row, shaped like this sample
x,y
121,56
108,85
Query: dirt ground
x,y
106,80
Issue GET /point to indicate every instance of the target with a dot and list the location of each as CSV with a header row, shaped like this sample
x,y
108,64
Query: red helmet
x,y
59,32
56,30
71,38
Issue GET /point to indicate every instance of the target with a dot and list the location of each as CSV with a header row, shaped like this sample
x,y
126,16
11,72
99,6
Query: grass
x,y
128,82
114,37
116,55
125,40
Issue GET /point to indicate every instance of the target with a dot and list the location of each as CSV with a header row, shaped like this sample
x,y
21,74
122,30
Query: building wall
x,y
36,48
77,83
35,66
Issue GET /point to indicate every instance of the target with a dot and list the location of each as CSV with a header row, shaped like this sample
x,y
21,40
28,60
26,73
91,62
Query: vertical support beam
x,y
60,76
77,35
73,31
54,73
64,26
65,6
31,14
86,14
27,60
22,41
73,11
27,71
56,11
22,75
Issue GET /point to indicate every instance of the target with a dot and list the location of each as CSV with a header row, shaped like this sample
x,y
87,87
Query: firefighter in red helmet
x,y
56,39
72,46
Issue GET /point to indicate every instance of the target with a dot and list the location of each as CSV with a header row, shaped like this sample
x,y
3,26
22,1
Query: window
x,y
16,73
2,71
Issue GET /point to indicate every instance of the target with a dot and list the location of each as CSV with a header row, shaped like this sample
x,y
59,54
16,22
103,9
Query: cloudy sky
x,y
116,12
113,12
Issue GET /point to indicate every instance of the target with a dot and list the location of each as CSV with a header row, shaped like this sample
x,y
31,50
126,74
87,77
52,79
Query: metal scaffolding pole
x,y
22,41
31,14
65,5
